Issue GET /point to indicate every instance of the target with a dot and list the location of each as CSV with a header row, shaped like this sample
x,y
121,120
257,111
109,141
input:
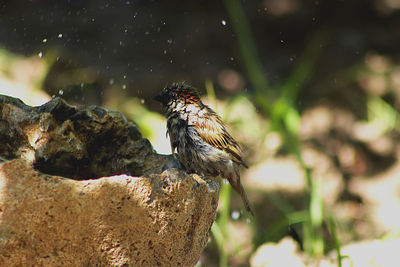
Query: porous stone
x,y
79,143
147,212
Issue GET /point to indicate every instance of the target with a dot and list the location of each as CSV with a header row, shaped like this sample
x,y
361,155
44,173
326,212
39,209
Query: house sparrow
x,y
199,136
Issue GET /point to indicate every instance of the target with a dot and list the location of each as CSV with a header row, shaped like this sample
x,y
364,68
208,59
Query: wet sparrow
x,y
198,134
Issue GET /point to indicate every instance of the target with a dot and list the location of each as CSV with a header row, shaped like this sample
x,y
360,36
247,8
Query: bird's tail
x,y
237,185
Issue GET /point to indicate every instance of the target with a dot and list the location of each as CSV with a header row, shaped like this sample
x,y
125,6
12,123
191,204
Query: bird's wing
x,y
212,130
172,132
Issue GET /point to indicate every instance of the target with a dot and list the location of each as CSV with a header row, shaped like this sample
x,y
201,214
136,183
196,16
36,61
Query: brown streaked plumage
x,y
200,138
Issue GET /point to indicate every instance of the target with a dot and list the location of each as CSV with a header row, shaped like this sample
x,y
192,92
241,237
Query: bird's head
x,y
178,94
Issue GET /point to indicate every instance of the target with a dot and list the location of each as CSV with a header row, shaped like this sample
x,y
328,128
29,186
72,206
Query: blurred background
x,y
311,89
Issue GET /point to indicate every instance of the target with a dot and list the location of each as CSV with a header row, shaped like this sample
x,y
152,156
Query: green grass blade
x,y
249,56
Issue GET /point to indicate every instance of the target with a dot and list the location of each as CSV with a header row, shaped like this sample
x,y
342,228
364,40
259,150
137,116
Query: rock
x,y
79,143
161,218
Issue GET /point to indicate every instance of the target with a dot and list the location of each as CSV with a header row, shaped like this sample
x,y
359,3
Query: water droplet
x,y
142,101
60,35
40,54
44,40
165,52
232,58
223,22
123,86
281,41
111,82
82,84
60,92
125,76
235,215
171,61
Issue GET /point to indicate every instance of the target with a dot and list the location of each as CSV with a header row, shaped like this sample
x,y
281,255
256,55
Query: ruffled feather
x,y
212,130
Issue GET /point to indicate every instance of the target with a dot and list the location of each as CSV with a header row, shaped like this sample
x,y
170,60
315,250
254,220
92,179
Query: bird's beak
x,y
161,98
158,97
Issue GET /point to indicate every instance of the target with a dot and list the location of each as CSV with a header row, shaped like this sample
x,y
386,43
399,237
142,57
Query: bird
x,y
200,139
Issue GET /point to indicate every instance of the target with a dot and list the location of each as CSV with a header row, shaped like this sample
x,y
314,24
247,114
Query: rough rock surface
x,y
161,218
79,143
